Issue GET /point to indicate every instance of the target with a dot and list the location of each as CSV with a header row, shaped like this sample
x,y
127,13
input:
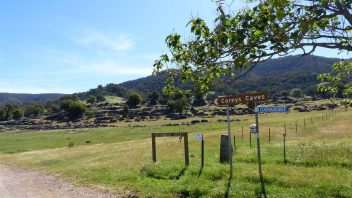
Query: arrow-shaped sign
x,y
240,99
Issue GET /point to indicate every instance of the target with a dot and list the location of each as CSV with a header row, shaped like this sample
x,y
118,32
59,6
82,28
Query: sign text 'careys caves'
x,y
241,99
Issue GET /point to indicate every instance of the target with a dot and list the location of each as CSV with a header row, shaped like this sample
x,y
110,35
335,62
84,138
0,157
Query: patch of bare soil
x,y
16,182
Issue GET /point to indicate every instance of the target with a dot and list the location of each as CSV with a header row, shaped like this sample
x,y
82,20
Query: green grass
x,y
319,158
114,99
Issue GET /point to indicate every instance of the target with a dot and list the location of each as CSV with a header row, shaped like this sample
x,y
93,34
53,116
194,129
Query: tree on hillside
x,y
238,42
34,111
133,100
125,111
74,108
296,93
179,103
11,111
17,113
92,100
2,113
198,100
153,98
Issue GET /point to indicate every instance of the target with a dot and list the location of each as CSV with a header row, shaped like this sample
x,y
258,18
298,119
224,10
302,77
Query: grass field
x,y
319,157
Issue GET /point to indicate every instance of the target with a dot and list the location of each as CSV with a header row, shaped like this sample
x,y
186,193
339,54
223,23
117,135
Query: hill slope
x,y
274,76
15,98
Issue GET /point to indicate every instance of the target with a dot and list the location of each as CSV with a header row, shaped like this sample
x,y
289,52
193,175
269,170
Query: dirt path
x,y
16,182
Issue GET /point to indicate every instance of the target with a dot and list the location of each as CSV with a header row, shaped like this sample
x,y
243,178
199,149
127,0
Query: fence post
x,y
284,138
234,144
250,140
304,123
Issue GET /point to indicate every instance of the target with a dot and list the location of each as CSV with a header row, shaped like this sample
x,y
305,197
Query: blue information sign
x,y
272,109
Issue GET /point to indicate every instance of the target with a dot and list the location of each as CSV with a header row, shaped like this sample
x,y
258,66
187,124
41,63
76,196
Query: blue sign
x,y
272,109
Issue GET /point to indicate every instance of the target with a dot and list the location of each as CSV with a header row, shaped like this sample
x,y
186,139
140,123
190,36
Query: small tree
x,y
2,113
125,111
153,98
92,100
34,111
17,113
179,104
198,100
284,93
134,99
296,93
74,108
9,111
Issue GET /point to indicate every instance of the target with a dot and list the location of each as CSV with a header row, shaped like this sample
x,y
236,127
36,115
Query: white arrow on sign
x,y
216,101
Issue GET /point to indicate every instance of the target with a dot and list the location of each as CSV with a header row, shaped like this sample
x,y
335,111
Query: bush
x,y
9,112
125,111
71,144
2,113
153,98
91,114
296,93
92,100
134,100
199,101
179,105
18,114
74,108
34,111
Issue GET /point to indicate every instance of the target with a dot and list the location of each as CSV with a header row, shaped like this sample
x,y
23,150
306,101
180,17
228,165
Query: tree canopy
x,y
338,83
237,42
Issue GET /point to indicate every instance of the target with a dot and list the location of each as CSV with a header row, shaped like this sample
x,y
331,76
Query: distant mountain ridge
x,y
19,98
273,76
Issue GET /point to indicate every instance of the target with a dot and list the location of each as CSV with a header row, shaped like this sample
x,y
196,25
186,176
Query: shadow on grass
x,y
167,173
307,163
228,187
181,173
200,171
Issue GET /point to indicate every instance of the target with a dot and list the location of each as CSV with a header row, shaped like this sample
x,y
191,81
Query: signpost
x,y
258,147
240,99
258,110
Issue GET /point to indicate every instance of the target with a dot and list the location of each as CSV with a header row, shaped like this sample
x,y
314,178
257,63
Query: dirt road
x,y
16,182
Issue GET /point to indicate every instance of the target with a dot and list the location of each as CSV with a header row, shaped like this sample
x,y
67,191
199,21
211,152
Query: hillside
x,y
274,76
15,98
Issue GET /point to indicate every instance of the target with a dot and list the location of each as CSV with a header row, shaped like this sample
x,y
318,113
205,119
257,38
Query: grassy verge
x,y
319,158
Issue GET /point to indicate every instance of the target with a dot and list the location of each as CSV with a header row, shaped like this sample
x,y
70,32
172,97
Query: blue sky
x,y
67,46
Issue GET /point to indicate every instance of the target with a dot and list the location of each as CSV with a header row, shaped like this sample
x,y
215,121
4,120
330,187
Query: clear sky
x,y
67,46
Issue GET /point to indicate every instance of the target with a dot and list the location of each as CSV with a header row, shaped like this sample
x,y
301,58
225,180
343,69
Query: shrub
x,y
71,144
296,93
133,100
74,108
